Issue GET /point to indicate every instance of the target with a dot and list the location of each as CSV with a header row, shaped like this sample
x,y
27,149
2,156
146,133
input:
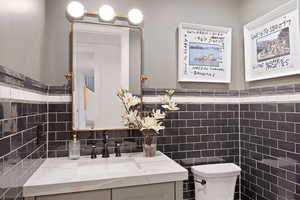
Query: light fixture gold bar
x,y
90,12
121,16
95,13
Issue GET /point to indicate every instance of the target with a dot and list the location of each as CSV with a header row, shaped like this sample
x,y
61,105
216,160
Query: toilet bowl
x,y
215,181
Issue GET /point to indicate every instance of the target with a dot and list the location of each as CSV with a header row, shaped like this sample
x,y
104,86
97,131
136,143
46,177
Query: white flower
x,y
171,106
157,114
121,92
132,118
150,123
131,100
165,99
167,102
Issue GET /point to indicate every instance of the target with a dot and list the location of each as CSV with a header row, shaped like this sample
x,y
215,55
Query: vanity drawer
x,y
163,191
90,195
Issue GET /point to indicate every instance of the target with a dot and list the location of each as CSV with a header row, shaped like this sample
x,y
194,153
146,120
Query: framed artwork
x,y
204,53
272,44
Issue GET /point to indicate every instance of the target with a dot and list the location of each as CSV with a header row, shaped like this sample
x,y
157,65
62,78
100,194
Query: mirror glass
x,y
105,59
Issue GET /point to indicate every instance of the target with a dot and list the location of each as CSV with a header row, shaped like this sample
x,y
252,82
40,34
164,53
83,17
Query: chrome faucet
x,y
118,149
93,152
105,152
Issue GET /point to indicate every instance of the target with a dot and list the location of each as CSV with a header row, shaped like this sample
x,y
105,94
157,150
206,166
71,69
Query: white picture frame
x,y
271,44
204,53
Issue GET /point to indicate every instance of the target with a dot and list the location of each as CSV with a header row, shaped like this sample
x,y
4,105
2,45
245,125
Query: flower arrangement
x,y
153,121
149,123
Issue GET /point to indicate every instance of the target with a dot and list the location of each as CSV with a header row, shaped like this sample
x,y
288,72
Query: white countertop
x,y
61,175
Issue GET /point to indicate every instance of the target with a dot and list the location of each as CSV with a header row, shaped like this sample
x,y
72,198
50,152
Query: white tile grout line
x,y
19,94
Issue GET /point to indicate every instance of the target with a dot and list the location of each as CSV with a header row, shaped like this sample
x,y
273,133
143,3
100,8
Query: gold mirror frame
x,y
69,75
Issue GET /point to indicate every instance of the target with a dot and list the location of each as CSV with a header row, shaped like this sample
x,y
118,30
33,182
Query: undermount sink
x,y
109,164
86,168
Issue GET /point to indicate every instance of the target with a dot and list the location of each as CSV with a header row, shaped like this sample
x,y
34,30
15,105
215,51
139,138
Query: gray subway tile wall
x,y
208,133
272,90
270,151
197,134
12,78
22,144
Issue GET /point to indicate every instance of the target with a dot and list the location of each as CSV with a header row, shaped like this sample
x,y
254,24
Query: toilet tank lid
x,y
216,170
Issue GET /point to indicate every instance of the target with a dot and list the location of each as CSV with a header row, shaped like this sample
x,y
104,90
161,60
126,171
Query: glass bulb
x,y
135,16
75,9
106,13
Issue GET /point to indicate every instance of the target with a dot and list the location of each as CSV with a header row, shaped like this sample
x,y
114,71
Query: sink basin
x,y
107,165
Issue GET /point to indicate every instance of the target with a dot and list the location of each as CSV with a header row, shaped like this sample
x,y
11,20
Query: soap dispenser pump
x,y
74,148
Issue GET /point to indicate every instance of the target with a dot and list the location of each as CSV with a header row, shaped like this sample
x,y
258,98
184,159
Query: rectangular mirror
x,y
105,59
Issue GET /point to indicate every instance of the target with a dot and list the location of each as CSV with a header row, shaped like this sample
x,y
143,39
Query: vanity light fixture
x,y
135,16
75,10
106,13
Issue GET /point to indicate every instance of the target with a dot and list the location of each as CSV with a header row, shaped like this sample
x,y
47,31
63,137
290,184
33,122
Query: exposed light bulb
x,y
135,16
75,10
106,13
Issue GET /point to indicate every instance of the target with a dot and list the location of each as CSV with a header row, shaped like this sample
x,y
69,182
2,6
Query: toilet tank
x,y
215,181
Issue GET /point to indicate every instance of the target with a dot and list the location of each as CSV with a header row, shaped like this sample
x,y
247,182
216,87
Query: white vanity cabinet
x,y
161,191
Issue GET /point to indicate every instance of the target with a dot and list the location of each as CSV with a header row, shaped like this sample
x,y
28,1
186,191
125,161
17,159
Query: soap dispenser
x,y
74,148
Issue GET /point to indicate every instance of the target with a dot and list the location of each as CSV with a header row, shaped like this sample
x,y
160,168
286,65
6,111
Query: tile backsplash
x,y
270,151
269,135
23,128
60,132
197,134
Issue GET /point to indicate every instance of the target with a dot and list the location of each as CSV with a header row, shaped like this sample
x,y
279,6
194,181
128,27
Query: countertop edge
x,y
83,186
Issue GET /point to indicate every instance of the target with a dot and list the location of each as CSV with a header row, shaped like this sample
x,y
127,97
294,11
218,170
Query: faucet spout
x,y
105,152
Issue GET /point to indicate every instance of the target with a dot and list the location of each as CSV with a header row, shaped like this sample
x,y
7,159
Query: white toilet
x,y
215,181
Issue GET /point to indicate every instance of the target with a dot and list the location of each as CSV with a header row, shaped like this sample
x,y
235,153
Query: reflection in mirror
x,y
105,59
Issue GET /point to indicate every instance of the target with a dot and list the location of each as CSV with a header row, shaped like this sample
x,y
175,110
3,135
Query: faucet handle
x,y
105,138
93,153
118,149
105,151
